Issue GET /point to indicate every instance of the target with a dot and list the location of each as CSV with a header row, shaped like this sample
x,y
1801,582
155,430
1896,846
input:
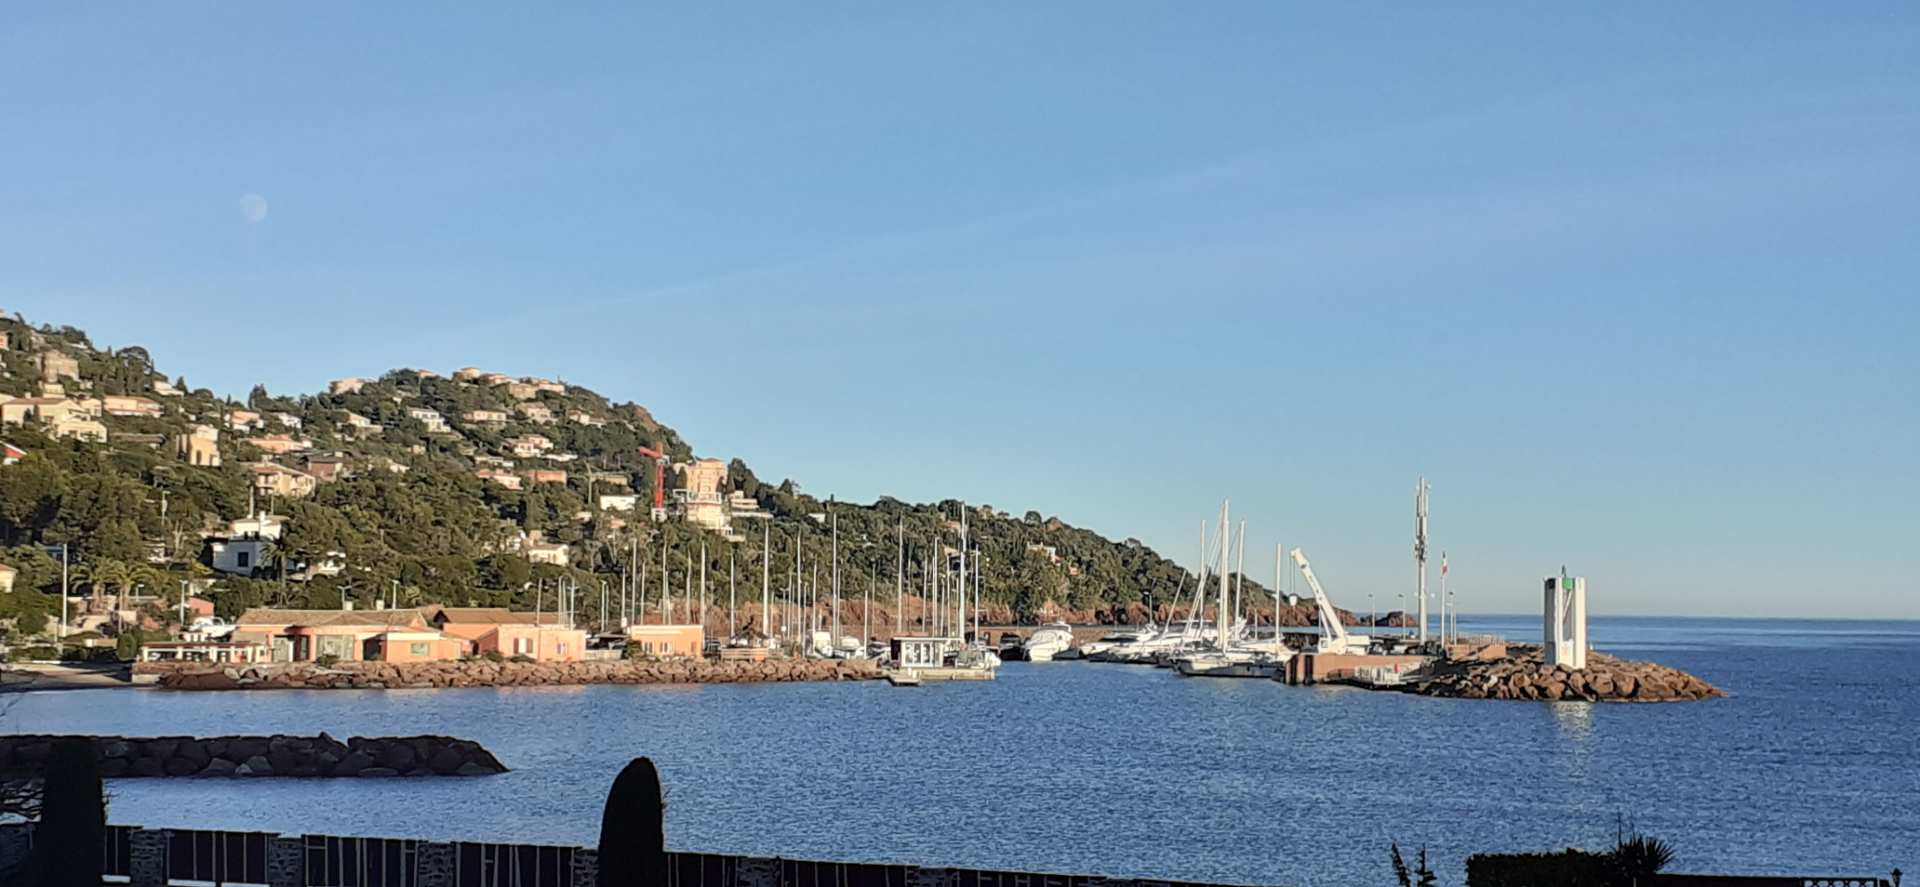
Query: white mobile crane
x,y
1333,635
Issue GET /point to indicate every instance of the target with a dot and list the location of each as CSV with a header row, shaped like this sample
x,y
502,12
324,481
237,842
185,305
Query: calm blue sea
x,y
1812,765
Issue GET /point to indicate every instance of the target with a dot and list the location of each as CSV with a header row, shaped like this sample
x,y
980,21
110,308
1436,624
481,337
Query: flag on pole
x,y
1443,563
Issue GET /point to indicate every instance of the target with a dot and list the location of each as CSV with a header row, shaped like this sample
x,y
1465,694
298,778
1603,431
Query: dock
x,y
913,677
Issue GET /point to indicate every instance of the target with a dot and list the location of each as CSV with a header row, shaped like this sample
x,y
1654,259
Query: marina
x,y
1222,780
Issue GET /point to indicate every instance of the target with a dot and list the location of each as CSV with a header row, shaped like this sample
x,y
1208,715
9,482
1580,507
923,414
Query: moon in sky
x,y
253,208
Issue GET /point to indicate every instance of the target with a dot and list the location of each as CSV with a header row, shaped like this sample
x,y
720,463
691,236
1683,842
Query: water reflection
x,y
1575,719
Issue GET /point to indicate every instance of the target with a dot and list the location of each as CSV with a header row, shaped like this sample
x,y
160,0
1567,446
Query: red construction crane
x,y
659,482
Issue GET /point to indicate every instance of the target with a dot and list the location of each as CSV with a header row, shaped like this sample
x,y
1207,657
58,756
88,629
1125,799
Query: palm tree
x,y
138,575
102,575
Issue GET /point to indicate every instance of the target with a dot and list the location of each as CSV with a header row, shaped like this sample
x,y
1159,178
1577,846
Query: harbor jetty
x,y
1524,675
485,673
129,757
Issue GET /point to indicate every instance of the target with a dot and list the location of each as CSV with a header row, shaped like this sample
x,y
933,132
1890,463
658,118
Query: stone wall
x,y
1525,676
482,673
123,757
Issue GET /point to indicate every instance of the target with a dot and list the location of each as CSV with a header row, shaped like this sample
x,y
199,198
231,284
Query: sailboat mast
x,y
1240,573
1226,538
900,580
961,598
976,594
835,520
766,578
733,629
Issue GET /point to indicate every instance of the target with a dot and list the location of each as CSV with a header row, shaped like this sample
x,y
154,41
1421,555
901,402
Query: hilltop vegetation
x,y
409,504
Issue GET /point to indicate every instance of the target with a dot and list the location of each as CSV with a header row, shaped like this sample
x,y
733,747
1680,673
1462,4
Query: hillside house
x,y
126,405
544,476
346,386
527,446
326,467
56,365
244,420
280,444
164,388
198,447
288,421
467,374
697,492
273,479
237,555
7,576
258,525
485,417
554,553
618,501
436,423
504,479
741,505
497,379
582,417
536,413
10,454
78,428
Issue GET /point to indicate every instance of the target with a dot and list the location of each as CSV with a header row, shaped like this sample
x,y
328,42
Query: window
x,y
522,646
560,648
418,649
241,559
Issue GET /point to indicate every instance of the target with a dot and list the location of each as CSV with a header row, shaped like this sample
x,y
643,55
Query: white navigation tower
x,y
1563,629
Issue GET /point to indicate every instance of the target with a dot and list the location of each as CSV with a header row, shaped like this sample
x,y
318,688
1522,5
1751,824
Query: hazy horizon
x,y
1635,293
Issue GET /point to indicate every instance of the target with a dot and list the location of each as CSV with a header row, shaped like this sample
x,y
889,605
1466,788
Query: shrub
x,y
493,656
326,660
521,657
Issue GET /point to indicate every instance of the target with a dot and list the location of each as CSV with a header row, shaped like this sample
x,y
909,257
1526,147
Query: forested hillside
x,y
403,502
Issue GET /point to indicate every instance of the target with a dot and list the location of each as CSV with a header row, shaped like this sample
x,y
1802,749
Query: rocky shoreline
x,y
482,673
125,757
1526,677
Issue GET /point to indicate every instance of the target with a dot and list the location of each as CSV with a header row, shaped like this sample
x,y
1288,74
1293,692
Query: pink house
x,y
542,636
346,635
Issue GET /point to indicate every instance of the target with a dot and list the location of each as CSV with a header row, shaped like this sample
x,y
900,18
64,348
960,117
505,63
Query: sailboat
x,y
1233,654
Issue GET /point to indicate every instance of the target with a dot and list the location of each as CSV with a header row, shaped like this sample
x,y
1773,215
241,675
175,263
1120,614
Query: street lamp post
x,y
64,590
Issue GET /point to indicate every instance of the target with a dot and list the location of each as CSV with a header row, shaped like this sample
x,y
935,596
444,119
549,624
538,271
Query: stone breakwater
x,y
128,757
1527,677
482,673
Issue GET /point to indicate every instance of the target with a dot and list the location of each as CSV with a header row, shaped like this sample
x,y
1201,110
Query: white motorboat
x,y
1110,640
1236,662
1047,641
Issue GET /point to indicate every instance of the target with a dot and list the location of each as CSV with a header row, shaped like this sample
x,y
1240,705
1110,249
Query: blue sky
x,y
1635,286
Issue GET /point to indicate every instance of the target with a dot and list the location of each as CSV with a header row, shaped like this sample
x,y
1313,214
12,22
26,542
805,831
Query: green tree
x,y
30,493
